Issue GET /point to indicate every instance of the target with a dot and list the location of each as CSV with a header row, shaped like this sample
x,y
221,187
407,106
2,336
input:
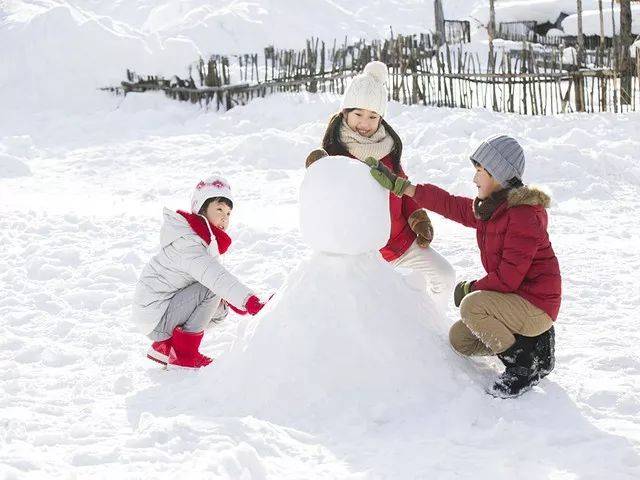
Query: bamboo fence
x,y
526,80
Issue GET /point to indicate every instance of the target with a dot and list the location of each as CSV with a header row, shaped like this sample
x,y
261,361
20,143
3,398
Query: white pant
x,y
435,274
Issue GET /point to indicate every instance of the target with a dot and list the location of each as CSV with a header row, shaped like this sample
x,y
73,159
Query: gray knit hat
x,y
502,157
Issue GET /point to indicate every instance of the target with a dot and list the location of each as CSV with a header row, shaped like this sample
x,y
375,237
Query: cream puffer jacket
x,y
182,260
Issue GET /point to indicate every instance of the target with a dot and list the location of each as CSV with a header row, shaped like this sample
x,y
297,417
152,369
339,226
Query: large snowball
x,y
342,209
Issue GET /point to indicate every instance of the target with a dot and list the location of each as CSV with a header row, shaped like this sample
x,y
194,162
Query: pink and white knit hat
x,y
214,186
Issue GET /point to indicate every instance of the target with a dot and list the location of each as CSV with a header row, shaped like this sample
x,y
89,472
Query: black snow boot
x,y
521,372
545,352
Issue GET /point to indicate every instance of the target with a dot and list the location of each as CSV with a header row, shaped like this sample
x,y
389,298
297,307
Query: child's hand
x,y
421,224
386,177
462,290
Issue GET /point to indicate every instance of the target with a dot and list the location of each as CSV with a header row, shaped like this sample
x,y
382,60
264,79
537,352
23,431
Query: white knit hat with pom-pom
x,y
369,89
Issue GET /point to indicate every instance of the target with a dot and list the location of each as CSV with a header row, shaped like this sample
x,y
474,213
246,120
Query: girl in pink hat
x,y
184,288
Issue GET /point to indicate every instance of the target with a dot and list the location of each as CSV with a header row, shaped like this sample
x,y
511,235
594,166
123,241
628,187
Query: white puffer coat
x,y
182,260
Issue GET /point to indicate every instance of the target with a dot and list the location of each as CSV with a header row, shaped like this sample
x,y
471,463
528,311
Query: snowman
x,y
345,333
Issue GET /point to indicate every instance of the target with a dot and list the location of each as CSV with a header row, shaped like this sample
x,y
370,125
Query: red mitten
x,y
253,305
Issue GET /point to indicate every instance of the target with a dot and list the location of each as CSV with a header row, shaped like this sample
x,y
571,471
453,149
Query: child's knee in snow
x,y
459,335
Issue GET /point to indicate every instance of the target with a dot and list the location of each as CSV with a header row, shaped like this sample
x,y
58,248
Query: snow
x,y
555,32
76,385
11,166
342,210
529,10
78,398
591,21
570,56
549,10
634,48
52,48
342,302
86,44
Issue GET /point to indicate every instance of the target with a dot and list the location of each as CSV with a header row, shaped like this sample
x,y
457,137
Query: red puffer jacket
x,y
401,236
514,243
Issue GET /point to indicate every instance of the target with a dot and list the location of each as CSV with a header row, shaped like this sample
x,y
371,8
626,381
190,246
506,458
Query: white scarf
x,y
378,145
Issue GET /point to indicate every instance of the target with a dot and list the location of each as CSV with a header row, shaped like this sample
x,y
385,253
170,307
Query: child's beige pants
x,y
489,320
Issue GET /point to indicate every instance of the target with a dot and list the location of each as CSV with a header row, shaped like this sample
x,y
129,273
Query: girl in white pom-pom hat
x,y
184,288
359,130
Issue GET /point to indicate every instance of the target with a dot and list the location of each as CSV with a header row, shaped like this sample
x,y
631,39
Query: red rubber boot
x,y
184,351
159,351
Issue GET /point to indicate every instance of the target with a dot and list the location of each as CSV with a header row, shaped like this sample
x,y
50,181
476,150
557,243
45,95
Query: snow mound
x,y
345,334
570,56
555,32
342,209
60,53
12,167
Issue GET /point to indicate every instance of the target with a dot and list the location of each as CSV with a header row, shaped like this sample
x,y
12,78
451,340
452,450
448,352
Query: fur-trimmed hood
x,y
483,209
528,195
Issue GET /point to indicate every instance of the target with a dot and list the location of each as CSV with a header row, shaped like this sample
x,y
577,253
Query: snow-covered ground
x,y
78,225
84,177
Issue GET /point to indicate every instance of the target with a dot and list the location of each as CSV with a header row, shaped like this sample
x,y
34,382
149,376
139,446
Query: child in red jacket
x,y
360,131
510,311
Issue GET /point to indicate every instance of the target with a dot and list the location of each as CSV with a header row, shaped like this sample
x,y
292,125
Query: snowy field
x,y
81,213
84,177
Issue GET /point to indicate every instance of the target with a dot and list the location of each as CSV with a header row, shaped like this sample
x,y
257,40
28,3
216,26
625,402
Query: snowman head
x,y
343,210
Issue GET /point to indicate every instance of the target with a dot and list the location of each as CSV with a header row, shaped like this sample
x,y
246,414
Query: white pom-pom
x,y
377,70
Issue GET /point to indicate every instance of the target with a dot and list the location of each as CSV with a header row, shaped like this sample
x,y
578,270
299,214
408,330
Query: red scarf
x,y
199,225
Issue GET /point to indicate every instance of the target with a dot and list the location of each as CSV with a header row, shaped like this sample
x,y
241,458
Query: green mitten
x,y
372,162
386,177
462,290
400,186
